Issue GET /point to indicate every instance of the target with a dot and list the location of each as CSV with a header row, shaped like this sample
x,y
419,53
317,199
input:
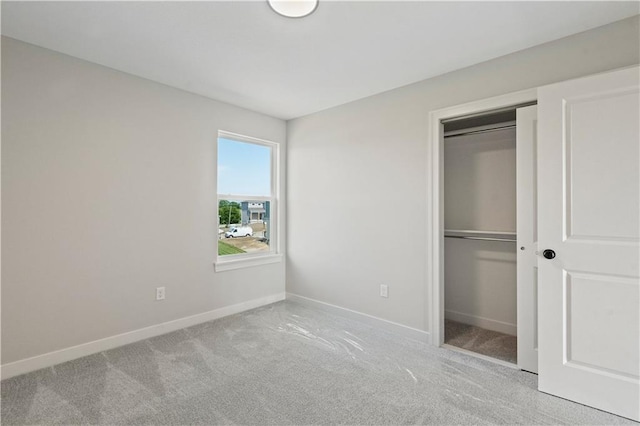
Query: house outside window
x,y
254,212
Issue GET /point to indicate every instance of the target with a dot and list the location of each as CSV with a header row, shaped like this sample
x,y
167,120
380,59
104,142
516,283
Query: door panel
x,y
591,193
595,304
589,214
527,289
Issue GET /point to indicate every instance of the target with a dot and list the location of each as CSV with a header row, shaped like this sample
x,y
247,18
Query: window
x,y
247,201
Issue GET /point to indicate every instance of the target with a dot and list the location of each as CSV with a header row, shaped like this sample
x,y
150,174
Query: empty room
x,y
301,212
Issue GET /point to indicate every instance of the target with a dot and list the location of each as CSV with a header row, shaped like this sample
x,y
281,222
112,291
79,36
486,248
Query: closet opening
x,y
487,202
480,253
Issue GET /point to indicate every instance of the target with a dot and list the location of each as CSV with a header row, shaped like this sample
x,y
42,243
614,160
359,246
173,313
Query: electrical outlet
x,y
160,293
384,290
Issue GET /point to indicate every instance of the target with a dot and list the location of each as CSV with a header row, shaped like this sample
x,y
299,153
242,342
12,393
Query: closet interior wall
x,y
480,207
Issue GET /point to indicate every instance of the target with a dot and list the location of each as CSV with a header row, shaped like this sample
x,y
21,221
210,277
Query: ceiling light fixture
x,y
293,8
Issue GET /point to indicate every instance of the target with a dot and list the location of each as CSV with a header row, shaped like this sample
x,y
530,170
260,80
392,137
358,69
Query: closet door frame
x,y
434,293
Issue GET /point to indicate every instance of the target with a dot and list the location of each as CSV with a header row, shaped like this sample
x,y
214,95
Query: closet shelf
x,y
480,129
480,235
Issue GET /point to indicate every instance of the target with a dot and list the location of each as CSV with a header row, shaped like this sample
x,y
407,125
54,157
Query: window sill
x,y
246,262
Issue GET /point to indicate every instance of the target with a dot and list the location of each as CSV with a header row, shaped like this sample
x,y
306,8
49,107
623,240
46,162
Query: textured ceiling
x,y
242,53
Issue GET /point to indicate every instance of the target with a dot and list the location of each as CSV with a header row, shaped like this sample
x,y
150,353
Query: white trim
x,y
434,303
244,261
243,138
52,358
241,198
394,327
482,322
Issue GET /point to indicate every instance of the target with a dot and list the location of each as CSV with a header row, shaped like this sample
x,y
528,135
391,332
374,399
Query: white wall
x,y
480,195
480,284
357,194
480,181
109,191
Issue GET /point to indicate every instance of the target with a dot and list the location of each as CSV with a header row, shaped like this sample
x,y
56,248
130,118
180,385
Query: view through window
x,y
245,195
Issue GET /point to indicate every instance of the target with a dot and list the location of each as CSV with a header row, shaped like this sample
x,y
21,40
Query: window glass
x,y
244,227
243,168
246,205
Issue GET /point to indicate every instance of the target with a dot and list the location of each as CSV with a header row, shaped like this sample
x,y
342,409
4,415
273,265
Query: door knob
x,y
549,254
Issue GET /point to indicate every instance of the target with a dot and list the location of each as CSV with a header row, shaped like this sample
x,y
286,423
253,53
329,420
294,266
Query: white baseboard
x,y
486,323
63,355
406,331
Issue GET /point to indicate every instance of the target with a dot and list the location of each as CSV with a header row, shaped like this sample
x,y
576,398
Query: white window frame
x,y
244,260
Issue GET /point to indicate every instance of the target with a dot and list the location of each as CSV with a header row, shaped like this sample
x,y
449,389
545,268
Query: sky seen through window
x,y
243,168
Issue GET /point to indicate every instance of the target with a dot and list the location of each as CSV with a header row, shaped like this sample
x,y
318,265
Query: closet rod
x,y
476,132
507,240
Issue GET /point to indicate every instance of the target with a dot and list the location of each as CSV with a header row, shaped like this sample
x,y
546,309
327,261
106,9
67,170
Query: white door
x,y
589,215
527,271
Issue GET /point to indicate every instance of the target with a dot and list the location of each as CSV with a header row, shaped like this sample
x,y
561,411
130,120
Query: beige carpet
x,y
486,342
